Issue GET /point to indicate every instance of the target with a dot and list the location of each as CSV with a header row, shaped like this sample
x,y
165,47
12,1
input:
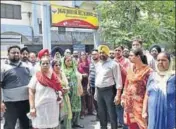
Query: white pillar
x,y
95,39
35,25
46,25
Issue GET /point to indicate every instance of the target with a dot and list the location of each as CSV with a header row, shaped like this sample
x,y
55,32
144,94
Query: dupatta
x,y
52,82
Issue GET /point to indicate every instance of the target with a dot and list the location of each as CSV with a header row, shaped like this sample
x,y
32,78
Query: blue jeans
x,y
119,112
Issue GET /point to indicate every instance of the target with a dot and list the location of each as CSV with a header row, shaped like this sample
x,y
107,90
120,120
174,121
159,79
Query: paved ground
x,y
86,122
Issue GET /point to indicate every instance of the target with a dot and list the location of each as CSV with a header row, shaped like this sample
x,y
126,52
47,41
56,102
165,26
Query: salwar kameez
x,y
161,102
66,109
46,104
133,96
86,99
74,79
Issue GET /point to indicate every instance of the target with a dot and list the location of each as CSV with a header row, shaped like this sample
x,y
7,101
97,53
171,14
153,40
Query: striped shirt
x,y
92,75
14,79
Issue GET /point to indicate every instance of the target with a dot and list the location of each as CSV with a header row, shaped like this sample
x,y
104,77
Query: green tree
x,y
153,21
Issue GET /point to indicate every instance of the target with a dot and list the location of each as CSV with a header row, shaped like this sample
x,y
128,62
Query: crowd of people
x,y
130,89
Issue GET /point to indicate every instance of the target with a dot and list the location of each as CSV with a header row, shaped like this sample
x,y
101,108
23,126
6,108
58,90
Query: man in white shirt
x,y
108,80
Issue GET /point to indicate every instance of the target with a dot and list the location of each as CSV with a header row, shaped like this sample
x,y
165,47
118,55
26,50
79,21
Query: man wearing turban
x,y
155,50
108,80
56,53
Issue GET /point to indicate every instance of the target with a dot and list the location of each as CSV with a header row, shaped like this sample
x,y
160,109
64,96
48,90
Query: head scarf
x,y
71,73
64,65
167,74
52,82
103,48
42,52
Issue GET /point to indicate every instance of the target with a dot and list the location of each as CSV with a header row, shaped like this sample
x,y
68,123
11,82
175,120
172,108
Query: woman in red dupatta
x,y
44,106
134,90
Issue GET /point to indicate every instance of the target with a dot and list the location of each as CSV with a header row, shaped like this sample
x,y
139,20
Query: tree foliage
x,y
153,21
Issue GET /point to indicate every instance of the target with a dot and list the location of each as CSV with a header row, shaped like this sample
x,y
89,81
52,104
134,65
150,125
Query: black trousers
x,y
106,106
14,111
92,91
86,99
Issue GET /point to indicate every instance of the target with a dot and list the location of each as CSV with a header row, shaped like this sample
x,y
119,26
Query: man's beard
x,y
112,57
126,55
103,58
15,60
58,57
75,56
24,59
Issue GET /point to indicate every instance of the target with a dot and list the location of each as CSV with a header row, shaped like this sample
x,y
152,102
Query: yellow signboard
x,y
73,17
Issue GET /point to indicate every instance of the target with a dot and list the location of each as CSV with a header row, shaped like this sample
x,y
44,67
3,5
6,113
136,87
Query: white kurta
x,y
47,107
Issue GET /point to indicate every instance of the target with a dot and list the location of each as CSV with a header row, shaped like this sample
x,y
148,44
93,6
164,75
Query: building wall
x,y
18,26
37,48
18,29
25,25
25,9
